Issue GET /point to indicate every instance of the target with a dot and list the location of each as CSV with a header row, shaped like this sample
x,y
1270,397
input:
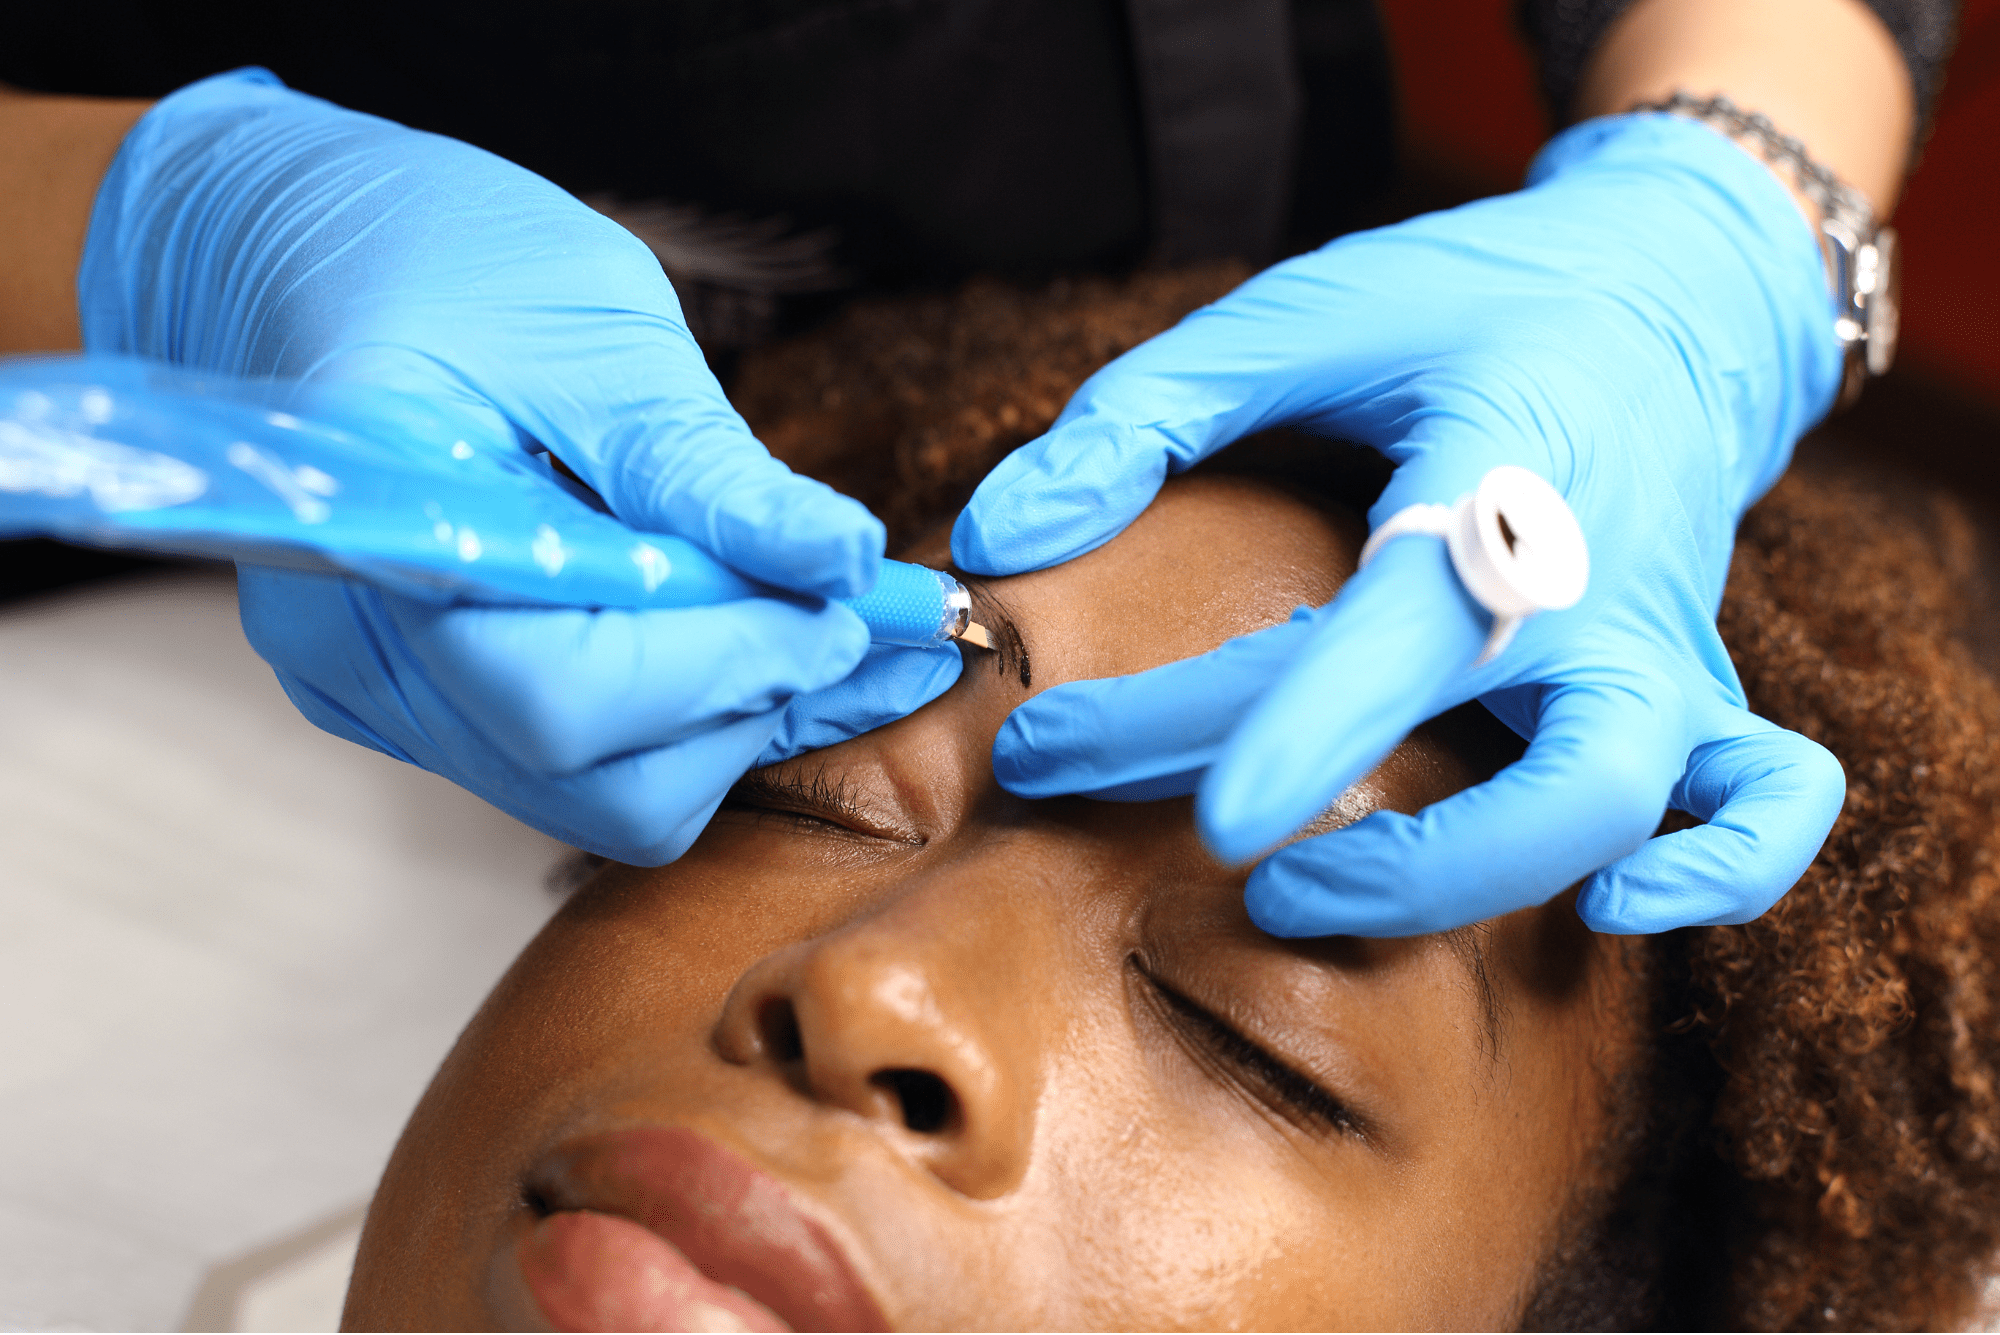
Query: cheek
x,y
641,959
1161,1201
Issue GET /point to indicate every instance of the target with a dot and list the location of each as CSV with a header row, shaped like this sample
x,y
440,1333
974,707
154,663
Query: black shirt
x,y
936,137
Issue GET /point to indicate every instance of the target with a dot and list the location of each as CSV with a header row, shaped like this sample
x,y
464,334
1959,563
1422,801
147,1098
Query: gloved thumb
x,y
670,454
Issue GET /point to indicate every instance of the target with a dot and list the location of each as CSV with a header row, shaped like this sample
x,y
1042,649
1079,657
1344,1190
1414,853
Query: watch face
x,y
1885,302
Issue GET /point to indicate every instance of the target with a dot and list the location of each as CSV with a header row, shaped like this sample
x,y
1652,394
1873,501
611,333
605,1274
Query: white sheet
x,y
234,949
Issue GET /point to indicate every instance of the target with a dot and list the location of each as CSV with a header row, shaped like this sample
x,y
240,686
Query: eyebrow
x,y
1010,651
1465,943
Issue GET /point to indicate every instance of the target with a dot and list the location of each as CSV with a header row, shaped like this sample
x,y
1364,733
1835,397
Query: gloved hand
x,y
1647,326
248,229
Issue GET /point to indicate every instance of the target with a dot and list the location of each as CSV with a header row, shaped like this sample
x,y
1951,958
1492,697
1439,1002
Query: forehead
x,y
1212,558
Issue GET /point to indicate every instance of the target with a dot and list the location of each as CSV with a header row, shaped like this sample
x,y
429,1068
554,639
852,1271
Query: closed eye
x,y
1296,1097
808,797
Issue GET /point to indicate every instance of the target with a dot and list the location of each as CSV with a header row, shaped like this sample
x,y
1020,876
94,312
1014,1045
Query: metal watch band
x,y
1863,265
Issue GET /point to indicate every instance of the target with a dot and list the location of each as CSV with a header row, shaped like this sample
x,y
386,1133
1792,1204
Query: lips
x,y
663,1229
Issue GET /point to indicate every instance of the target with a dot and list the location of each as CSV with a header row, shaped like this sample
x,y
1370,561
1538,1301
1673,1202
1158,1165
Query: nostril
x,y
778,1029
928,1104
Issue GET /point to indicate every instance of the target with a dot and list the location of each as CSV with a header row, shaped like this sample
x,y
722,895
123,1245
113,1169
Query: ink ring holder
x,y
1514,542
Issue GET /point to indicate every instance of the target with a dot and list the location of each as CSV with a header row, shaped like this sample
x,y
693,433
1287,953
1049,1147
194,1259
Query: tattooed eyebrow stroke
x,y
1010,650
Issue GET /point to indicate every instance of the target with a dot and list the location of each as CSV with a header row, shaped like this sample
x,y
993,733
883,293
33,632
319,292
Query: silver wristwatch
x,y
1864,268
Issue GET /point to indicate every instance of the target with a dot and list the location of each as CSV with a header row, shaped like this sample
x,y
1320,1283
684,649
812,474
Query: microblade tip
x,y
974,633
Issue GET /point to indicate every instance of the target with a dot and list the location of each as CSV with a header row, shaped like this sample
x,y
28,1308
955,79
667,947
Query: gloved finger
x,y
1147,736
329,715
688,465
561,690
646,808
324,636
1227,370
1439,458
676,458
1385,655
1589,790
586,353
1769,796
892,681
553,690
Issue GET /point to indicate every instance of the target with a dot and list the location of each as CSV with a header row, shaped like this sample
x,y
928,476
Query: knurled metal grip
x,y
913,605
1514,542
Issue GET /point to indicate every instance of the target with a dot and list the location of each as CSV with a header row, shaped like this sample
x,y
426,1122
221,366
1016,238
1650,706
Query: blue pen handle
x,y
116,452
914,605
122,453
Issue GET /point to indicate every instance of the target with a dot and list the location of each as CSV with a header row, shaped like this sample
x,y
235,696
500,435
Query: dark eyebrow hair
x,y
1465,943
1010,651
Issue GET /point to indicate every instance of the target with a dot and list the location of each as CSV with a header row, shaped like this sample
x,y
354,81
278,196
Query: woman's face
x,y
892,1045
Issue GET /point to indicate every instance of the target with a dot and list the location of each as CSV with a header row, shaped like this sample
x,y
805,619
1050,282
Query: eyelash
x,y
826,799
1293,1096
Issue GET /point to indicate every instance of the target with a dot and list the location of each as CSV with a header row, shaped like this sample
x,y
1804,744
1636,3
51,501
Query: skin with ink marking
x,y
1010,651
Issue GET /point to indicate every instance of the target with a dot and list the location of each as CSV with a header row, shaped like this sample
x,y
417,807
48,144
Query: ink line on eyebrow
x,y
1011,649
1010,635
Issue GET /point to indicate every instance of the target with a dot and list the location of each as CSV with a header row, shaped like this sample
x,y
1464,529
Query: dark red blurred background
x,y
1470,116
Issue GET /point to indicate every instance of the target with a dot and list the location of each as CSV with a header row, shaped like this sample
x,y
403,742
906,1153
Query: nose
x,y
911,1026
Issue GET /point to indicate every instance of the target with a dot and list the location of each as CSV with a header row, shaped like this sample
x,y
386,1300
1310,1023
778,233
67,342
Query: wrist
x,y
53,153
1828,71
161,208
1706,244
1862,262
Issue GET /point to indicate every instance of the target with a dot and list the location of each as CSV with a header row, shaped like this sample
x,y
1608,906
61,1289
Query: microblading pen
x,y
920,607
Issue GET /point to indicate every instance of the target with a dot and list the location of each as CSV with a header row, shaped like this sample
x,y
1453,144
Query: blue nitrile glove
x,y
1647,326
890,673
248,229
